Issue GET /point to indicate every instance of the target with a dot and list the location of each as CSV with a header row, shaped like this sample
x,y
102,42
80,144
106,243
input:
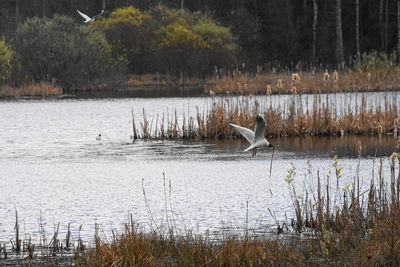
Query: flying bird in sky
x,y
89,19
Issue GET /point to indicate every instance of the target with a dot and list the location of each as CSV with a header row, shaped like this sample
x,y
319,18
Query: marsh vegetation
x,y
285,116
190,195
338,219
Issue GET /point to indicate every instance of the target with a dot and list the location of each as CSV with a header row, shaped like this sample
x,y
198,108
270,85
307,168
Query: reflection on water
x,y
292,147
210,182
142,93
52,164
344,147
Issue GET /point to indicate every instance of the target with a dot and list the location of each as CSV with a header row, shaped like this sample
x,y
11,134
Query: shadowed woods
x,y
236,49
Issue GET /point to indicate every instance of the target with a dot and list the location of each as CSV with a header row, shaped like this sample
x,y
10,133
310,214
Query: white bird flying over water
x,y
87,18
256,138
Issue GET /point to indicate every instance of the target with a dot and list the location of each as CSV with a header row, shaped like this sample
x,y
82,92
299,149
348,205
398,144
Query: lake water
x,y
53,169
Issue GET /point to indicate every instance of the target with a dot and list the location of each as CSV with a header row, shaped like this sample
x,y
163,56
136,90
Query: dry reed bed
x,y
139,249
291,121
356,225
32,90
305,83
162,80
343,224
335,224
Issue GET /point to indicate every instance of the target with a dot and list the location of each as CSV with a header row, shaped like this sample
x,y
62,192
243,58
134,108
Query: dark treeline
x,y
294,34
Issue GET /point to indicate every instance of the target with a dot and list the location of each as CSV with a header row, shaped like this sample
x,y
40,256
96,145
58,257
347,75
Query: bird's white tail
x,y
250,147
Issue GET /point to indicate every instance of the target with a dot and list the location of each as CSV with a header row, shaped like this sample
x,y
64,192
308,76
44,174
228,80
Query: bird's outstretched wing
x,y
260,129
98,15
250,147
247,133
86,17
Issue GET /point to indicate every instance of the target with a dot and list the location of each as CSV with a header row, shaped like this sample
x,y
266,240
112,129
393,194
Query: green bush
x,y
195,45
59,49
124,30
6,57
222,48
380,65
168,41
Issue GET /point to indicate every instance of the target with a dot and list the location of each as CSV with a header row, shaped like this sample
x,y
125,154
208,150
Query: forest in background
x,y
276,34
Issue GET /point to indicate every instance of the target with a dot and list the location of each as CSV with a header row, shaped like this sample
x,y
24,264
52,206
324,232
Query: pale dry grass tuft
x,y
32,90
214,122
306,82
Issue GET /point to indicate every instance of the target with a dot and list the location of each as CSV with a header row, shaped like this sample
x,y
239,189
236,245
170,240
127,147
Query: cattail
x,y
269,89
326,76
359,148
380,130
336,87
396,127
392,159
279,85
335,76
295,78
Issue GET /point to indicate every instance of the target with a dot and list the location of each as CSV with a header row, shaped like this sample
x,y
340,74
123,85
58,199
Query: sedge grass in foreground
x,y
337,222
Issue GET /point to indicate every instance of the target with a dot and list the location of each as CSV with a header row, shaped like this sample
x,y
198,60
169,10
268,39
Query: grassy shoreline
x,y
31,90
212,123
305,82
335,223
231,83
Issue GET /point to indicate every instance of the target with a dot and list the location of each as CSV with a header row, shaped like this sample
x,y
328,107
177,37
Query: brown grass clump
x,y
354,226
151,249
372,246
289,121
342,226
159,81
32,90
335,224
305,82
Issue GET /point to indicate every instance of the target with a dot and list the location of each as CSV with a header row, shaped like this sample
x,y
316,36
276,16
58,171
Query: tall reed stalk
x,y
345,224
291,119
303,83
